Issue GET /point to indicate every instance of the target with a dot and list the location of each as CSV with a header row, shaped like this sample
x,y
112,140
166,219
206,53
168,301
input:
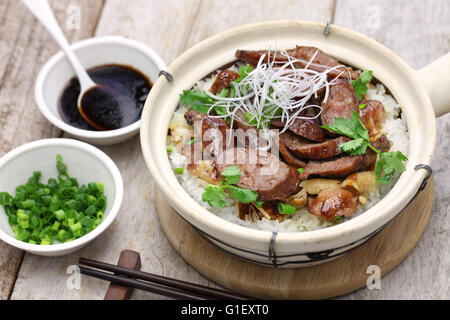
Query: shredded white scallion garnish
x,y
276,90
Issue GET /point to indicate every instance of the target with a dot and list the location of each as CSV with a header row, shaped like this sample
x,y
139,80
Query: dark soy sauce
x,y
129,85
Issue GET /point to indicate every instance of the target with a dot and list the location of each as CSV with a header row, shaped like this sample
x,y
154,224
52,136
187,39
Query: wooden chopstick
x,y
142,285
188,288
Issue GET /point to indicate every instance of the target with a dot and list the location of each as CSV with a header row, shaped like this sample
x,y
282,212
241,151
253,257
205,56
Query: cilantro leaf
x,y
232,174
197,100
243,72
284,208
242,195
214,196
351,127
360,84
355,147
388,165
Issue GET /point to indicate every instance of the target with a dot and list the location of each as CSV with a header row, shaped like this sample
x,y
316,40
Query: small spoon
x,y
99,105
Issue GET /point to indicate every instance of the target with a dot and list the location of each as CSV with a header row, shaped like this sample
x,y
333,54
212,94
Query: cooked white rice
x,y
394,127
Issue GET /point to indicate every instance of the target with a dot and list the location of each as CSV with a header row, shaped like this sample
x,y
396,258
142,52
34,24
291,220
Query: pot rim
x,y
365,223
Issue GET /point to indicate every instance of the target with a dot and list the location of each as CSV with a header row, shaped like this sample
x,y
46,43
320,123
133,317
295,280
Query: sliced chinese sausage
x,y
261,172
372,116
223,80
307,128
246,134
213,131
253,57
331,203
341,102
288,156
336,168
370,157
322,61
308,150
319,60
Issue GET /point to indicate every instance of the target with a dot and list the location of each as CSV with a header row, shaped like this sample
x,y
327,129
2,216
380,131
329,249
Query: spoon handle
x,y
43,12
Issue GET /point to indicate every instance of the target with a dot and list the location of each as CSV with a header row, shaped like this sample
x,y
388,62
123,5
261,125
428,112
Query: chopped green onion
x,y
179,170
337,220
59,210
169,149
300,170
192,141
362,106
284,208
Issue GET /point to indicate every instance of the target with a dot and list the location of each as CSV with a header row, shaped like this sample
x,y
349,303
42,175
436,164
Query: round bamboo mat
x,y
331,279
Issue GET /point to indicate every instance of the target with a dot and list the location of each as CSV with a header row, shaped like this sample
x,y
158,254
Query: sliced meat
x,y
307,128
288,156
261,172
213,131
248,136
370,157
331,203
223,80
341,102
321,61
382,143
372,116
305,149
253,57
337,168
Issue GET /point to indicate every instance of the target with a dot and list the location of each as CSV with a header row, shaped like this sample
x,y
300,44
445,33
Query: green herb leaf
x,y
244,71
242,195
388,165
232,174
197,100
390,162
284,208
300,170
362,106
355,147
214,196
360,84
351,127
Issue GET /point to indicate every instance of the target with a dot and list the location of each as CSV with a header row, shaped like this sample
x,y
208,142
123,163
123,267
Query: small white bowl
x,y
85,163
93,52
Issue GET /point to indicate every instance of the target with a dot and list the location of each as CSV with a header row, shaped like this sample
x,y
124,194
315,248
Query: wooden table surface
x,y
417,30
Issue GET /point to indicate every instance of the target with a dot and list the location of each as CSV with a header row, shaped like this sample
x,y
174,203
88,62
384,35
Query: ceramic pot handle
x,y
436,78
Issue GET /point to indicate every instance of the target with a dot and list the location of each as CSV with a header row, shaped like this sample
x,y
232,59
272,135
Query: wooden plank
x,y
25,47
419,32
169,27
217,16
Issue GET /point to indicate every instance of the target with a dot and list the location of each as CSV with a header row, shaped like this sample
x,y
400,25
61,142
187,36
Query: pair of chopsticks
x,y
165,286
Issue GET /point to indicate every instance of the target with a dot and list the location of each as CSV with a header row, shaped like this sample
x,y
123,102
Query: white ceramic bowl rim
x,y
39,89
109,218
365,221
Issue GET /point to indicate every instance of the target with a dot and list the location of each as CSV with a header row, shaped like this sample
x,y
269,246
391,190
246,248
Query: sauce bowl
x,y
416,91
93,52
85,163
